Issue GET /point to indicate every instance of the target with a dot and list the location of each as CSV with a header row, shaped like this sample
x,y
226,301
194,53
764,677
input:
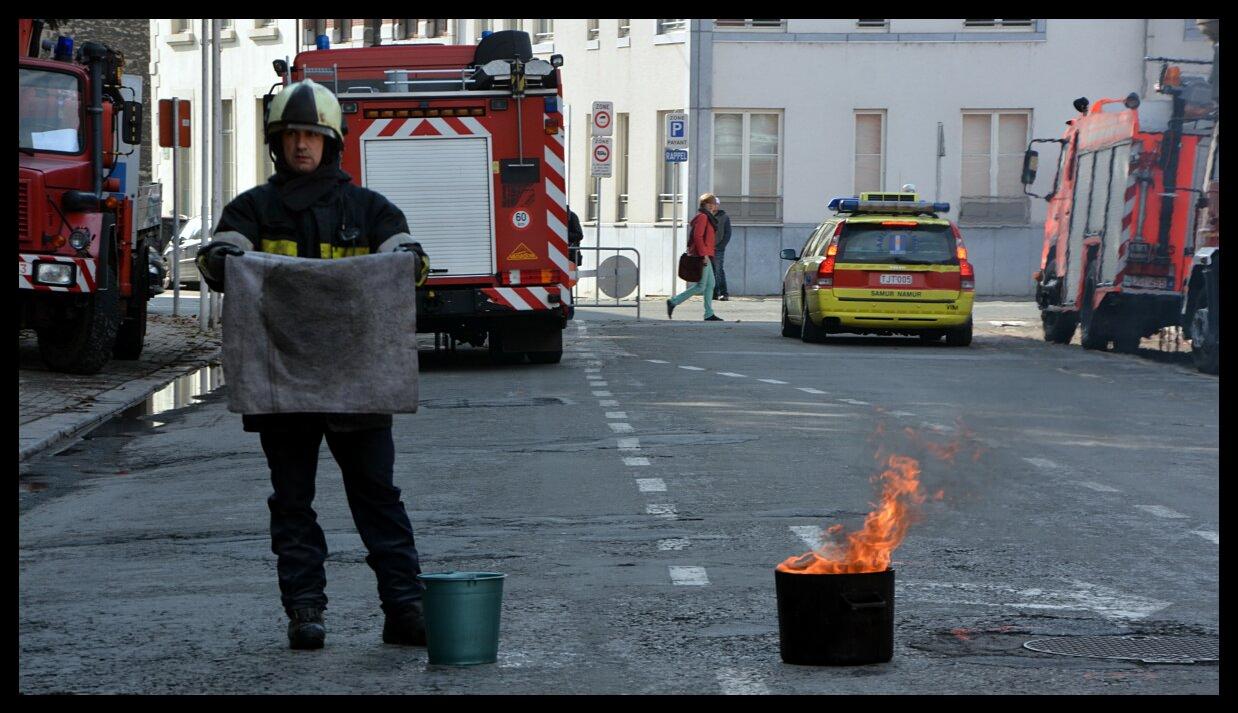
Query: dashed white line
x,y
856,402
665,510
1161,511
602,393
592,370
1098,487
657,361
674,543
617,414
636,461
651,485
620,427
772,381
629,444
900,413
807,390
587,355
689,576
691,368
1042,463
608,403
598,383
732,374
1209,535
735,682
593,363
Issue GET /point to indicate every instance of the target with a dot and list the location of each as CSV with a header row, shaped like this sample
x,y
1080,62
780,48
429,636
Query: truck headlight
x,y
79,239
53,273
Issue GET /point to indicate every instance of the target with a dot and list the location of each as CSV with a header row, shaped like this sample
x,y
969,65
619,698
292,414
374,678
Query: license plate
x,y
23,268
1148,282
895,279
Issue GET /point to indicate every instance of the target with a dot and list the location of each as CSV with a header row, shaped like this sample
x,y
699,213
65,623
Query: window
x,y
179,26
591,205
998,23
670,193
665,26
261,23
872,24
342,31
437,28
404,29
992,163
49,112
591,30
746,164
625,27
621,168
228,134
544,31
869,142
225,25
749,24
265,166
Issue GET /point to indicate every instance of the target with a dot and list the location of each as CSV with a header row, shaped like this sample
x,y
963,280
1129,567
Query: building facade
x,y
783,115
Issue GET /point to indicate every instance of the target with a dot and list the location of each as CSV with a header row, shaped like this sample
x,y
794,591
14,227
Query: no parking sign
x,y
603,119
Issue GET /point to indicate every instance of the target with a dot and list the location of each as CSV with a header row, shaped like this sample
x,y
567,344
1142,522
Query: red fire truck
x,y
468,141
1117,249
83,273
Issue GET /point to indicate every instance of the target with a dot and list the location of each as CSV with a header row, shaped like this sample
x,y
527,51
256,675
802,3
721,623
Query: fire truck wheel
x,y
132,334
497,355
83,344
959,336
809,332
1126,342
545,357
1059,326
1092,334
788,329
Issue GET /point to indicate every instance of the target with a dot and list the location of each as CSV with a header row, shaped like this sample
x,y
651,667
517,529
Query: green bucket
x,y
462,616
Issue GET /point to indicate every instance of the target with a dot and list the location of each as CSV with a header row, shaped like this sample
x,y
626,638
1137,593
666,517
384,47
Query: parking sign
x,y
676,130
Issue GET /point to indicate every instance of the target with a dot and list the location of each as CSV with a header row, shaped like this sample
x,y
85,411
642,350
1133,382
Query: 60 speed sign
x,y
600,157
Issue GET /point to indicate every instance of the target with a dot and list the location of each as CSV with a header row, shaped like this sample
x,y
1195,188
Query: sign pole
x,y
175,267
674,230
597,254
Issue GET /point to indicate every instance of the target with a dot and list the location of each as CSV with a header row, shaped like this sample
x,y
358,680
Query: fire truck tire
x,y
1091,335
809,332
1059,326
959,336
497,355
1126,342
132,334
545,357
84,344
1205,351
788,328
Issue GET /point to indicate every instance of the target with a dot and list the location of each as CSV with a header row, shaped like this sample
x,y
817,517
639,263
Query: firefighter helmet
x,y
306,105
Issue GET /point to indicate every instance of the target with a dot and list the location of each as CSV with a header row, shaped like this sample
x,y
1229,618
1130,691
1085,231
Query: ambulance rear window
x,y
916,245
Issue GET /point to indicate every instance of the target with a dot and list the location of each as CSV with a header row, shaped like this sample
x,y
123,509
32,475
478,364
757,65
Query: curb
x,y
44,433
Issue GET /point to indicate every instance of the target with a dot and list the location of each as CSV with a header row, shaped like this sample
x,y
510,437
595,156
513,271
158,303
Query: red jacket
x,y
701,235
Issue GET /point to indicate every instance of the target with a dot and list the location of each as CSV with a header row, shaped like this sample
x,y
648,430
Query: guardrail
x,y
611,273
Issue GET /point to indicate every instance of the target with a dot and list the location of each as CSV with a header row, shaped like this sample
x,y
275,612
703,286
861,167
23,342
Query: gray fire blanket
x,y
328,336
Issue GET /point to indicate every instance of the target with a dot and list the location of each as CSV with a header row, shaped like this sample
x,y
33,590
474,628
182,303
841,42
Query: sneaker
x,y
407,628
714,318
723,298
305,629
670,307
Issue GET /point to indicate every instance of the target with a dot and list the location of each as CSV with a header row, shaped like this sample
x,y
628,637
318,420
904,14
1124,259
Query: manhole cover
x,y
1148,649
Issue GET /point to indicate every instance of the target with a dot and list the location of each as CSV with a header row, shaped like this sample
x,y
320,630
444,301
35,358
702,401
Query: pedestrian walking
x,y
701,232
310,209
724,237
575,236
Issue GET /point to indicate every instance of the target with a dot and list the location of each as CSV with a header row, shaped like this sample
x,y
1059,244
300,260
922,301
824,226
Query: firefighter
x,y
310,209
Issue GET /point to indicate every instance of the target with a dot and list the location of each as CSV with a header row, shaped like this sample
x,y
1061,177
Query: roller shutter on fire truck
x,y
444,186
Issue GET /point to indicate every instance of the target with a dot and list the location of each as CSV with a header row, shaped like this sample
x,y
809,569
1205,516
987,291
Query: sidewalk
x,y
54,407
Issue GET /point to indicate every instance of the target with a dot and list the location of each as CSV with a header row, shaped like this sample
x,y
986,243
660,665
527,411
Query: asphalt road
x,y
638,497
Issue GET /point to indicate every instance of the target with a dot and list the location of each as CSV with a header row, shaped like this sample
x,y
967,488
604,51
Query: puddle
x,y
139,418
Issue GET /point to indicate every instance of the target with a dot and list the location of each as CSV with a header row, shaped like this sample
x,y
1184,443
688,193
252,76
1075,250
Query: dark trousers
x,y
719,273
366,459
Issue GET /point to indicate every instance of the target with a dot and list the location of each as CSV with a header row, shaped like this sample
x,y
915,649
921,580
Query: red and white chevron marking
x,y
526,298
431,126
85,273
556,194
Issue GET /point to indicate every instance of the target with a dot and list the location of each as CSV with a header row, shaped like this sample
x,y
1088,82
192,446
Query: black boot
x,y
407,627
305,629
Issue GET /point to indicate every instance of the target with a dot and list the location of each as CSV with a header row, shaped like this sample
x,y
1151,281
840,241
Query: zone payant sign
x,y
600,157
603,120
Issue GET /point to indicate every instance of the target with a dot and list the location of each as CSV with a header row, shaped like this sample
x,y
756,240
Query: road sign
x,y
676,130
600,158
603,119
166,121
676,155
617,276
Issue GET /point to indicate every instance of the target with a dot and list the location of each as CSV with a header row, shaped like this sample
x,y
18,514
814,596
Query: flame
x,y
869,549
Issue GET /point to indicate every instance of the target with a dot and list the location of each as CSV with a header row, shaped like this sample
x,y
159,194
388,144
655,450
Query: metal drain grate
x,y
1137,647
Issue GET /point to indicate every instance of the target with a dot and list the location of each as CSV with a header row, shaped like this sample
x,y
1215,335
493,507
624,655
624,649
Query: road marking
x,y
1098,487
657,361
689,576
1161,511
620,427
593,363
598,383
602,393
607,403
732,374
636,460
1209,535
651,485
772,381
617,414
629,444
587,355
665,510
691,368
810,534
736,682
807,390
900,414
592,370
1109,603
1008,323
1042,463
855,401
674,543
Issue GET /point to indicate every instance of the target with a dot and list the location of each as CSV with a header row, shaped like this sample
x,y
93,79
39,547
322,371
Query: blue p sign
x,y
677,129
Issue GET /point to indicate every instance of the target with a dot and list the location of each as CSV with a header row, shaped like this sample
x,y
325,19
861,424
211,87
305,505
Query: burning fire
x,y
869,549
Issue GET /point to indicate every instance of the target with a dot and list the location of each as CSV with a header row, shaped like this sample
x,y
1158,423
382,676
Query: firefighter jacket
x,y
319,215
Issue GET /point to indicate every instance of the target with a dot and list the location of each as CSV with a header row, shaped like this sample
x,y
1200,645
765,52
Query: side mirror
x,y
1031,160
789,254
131,126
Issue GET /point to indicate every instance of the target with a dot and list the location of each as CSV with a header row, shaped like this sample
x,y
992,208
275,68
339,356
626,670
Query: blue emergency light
x,y
64,49
323,42
855,205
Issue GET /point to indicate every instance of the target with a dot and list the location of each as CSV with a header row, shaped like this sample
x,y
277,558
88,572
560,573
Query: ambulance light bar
x,y
855,205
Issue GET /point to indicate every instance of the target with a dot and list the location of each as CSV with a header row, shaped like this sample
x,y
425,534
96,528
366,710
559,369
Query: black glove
x,y
423,262
210,263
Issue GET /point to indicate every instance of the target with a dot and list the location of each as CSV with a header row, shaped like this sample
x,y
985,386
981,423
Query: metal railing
x,y
597,292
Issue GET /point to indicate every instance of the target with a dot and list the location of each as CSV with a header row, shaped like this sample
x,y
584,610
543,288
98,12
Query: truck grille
x,y
23,209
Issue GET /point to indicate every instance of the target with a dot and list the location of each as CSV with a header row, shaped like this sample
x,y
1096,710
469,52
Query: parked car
x,y
190,238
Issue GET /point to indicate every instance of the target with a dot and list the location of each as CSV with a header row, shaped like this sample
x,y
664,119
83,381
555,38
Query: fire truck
x,y
1201,304
1118,234
468,141
83,273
